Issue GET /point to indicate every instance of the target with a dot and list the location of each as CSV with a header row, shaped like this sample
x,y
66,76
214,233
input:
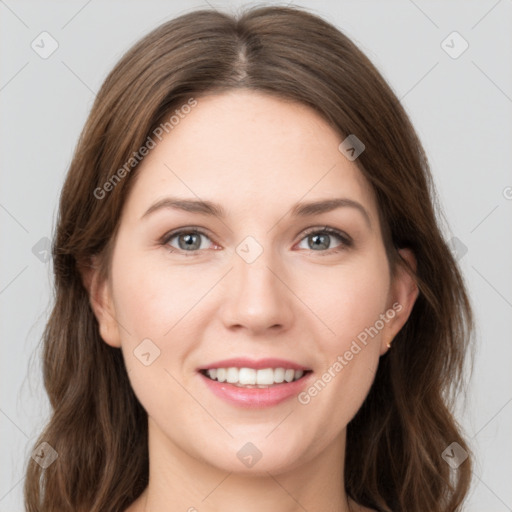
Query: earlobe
x,y
403,294
100,299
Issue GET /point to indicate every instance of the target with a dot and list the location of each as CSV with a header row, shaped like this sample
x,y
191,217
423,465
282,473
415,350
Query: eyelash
x,y
346,241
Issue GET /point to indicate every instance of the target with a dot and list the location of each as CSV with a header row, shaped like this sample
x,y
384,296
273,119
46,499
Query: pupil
x,y
325,245
189,240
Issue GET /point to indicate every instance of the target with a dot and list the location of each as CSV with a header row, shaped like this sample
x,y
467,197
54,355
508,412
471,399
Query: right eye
x,y
188,240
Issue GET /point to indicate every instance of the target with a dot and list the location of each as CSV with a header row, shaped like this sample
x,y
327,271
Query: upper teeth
x,y
250,376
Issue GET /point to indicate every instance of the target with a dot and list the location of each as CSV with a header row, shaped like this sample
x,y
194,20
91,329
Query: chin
x,y
259,456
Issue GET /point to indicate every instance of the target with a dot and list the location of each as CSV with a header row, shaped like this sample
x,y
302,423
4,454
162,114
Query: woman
x,y
255,308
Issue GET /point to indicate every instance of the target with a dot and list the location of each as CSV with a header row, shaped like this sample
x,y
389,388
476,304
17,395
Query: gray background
x,y
461,108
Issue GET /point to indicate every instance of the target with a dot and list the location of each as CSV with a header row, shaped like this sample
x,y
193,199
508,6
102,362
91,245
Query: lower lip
x,y
256,397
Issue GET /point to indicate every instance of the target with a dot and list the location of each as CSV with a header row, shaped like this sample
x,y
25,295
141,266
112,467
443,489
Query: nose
x,y
256,297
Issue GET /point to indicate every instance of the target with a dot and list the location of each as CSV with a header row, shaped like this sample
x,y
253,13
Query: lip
x,y
257,364
256,398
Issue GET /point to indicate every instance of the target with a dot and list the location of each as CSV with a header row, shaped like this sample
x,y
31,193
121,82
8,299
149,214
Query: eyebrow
x,y
215,210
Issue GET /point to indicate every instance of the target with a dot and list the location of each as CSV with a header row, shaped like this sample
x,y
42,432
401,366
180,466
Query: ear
x,y
403,294
100,298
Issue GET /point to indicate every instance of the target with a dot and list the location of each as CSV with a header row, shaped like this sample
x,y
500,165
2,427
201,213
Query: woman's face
x,y
261,285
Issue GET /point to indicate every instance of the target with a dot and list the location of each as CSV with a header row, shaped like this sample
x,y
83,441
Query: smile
x,y
252,383
251,377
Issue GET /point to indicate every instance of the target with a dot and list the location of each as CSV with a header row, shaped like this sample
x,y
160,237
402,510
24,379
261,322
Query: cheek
x,y
147,308
160,307
350,300
151,305
152,295
351,306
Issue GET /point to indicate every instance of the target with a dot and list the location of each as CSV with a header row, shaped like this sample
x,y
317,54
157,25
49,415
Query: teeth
x,y
251,377
289,375
279,375
247,376
264,377
232,375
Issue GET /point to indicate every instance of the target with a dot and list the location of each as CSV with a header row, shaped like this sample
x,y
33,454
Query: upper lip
x,y
257,364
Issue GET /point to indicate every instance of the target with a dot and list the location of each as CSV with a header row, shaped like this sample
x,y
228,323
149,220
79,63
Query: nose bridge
x,y
257,298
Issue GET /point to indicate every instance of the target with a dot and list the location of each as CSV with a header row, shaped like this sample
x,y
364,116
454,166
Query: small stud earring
x,y
389,343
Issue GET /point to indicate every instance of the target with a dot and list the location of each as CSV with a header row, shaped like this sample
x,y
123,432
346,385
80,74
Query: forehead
x,y
252,152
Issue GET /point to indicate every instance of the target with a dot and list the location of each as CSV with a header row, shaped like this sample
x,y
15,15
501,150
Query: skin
x,y
256,156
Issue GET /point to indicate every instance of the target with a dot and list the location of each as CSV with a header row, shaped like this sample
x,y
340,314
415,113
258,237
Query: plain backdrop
x,y
459,99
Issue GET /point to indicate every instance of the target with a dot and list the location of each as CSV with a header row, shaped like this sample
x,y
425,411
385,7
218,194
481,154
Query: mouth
x,y
246,377
245,382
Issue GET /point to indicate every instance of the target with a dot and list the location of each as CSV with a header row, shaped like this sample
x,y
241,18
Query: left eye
x,y
320,239
190,240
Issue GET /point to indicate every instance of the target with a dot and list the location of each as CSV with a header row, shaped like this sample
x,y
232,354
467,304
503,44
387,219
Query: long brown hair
x,y
99,429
